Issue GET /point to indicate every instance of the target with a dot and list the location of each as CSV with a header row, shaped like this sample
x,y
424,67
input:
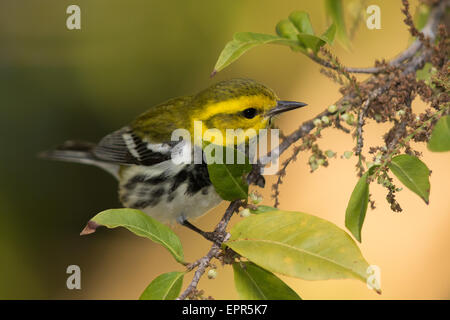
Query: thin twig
x,y
428,31
204,262
362,114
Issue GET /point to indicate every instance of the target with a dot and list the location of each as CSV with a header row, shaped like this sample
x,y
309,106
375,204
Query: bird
x,y
139,155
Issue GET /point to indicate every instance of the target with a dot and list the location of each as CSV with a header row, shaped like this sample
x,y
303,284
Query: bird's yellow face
x,y
244,115
248,113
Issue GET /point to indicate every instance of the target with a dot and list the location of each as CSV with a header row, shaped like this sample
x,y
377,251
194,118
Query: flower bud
x,y
351,119
325,120
344,117
255,198
348,154
245,213
317,122
400,113
212,274
314,166
330,153
332,108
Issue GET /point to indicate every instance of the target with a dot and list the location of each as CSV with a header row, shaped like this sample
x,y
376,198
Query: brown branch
x,y
306,127
282,174
204,262
362,114
429,31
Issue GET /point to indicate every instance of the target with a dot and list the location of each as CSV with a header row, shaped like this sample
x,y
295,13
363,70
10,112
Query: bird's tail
x,y
79,152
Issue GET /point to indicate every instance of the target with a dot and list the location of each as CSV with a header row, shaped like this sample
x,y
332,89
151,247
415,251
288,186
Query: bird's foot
x,y
216,237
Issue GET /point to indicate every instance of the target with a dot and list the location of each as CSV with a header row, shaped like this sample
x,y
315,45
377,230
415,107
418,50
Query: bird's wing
x,y
125,147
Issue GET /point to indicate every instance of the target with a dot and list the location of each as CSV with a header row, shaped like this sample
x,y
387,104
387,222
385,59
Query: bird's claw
x,y
217,237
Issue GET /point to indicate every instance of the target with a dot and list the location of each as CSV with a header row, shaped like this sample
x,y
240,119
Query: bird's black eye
x,y
249,113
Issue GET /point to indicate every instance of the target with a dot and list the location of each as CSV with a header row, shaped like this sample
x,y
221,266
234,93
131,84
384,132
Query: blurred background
x,y
57,84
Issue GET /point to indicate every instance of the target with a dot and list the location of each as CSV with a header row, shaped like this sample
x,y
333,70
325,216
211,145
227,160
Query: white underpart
x,y
159,147
181,153
131,145
183,206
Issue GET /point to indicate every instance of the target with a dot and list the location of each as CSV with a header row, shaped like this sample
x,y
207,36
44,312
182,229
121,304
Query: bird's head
x,y
239,104
231,104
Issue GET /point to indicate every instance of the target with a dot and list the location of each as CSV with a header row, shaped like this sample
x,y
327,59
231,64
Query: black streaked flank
x,y
132,183
158,192
156,180
179,178
139,178
150,191
198,178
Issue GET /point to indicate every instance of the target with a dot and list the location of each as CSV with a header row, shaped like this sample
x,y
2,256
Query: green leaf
x,y
335,11
357,205
228,179
164,287
329,34
299,245
421,16
310,42
286,29
413,173
244,41
140,224
262,209
255,283
297,33
440,137
306,36
426,74
301,21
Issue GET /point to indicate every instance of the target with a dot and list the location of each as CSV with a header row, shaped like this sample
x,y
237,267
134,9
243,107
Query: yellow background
x,y
57,84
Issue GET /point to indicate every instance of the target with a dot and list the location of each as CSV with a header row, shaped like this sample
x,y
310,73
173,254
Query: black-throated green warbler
x,y
139,154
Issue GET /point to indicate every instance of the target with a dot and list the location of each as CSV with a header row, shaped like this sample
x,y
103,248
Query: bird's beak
x,y
283,106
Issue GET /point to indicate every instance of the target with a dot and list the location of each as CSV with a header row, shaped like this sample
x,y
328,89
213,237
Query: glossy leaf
x,y
140,224
413,173
286,29
301,21
299,245
244,41
255,283
335,11
440,137
228,179
297,33
357,206
164,287
306,36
